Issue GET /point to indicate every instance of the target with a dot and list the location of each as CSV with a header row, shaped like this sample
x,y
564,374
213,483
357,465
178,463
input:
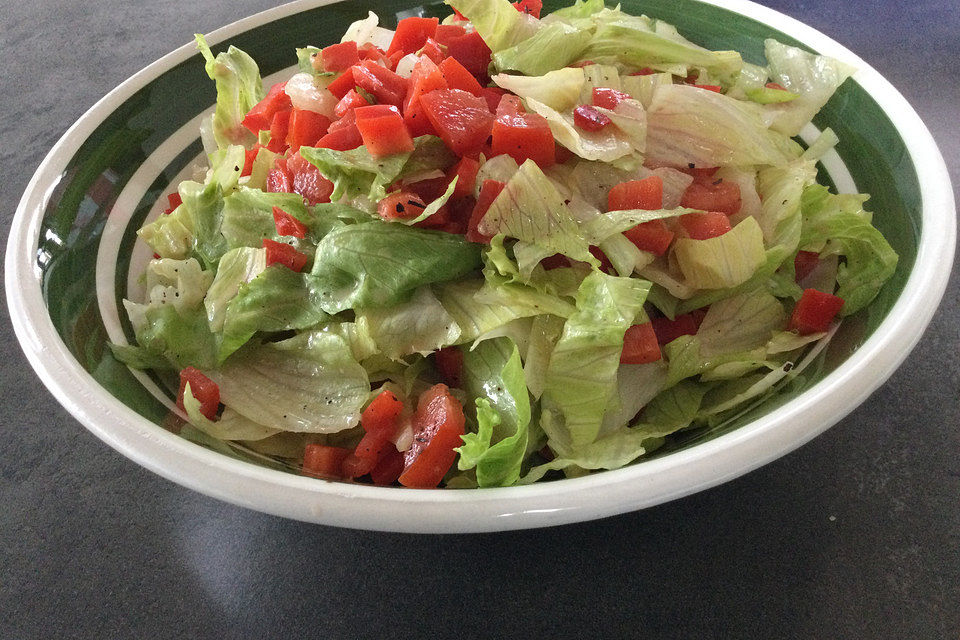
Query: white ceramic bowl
x,y
53,224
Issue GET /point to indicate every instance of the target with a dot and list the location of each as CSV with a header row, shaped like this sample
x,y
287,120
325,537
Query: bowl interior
x,y
107,163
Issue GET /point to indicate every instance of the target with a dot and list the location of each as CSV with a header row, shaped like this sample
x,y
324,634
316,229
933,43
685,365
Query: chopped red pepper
x,y
531,7
449,363
305,128
701,226
438,425
173,200
380,82
814,312
282,253
287,225
489,191
389,466
636,194
321,461
278,131
203,389
652,236
411,34
382,130
710,87
462,120
608,98
400,205
589,119
668,330
804,263
465,172
457,77
340,57
719,196
640,345
261,114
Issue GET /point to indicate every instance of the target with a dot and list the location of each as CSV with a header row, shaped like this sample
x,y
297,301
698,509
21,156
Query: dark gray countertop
x,y
855,535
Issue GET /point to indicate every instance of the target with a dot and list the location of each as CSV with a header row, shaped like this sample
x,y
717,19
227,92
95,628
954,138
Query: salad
x,y
499,248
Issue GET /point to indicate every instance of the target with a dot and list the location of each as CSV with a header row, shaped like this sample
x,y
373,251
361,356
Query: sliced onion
x,y
304,94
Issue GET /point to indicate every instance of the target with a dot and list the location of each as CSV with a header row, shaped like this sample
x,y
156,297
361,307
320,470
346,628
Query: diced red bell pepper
x,y
509,104
524,136
701,174
668,330
389,466
279,181
589,119
382,130
492,95
447,31
702,226
287,225
556,261
282,253
462,120
710,87
532,7
438,220
605,265
400,205
173,200
719,196
426,77
653,236
449,363
261,114
582,64
353,466
205,390
433,50
636,194
412,34
343,134
278,131
457,77
380,416
562,154
380,82
645,71
348,102
340,57
814,312
305,128
308,181
465,171
460,210
342,84
248,157
372,52
804,263
608,98
775,85
438,426
640,345
321,461
472,52
489,191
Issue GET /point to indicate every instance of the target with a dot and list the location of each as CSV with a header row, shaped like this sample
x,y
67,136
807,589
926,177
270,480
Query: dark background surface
x,y
855,535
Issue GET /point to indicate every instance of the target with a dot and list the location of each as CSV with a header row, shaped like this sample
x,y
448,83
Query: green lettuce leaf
x,y
564,42
419,325
229,426
237,267
497,21
308,383
493,377
239,88
724,261
582,373
377,264
558,89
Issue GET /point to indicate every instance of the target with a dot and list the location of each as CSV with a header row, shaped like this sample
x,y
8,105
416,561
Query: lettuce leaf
x,y
419,325
239,88
377,264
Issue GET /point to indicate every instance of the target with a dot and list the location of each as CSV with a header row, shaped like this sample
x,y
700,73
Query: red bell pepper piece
x,y
589,119
321,461
532,7
282,253
447,31
173,200
713,196
382,130
433,50
465,172
608,98
305,128
249,156
411,34
640,345
278,131
261,114
489,191
472,52
340,57
203,389
668,330
389,466
457,77
814,312
709,87
636,194
701,226
287,225
342,84
400,205
380,82
438,429
653,236
308,181
462,120
426,77
524,136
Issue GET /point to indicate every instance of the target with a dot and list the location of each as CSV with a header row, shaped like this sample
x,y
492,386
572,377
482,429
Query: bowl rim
x,y
439,511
